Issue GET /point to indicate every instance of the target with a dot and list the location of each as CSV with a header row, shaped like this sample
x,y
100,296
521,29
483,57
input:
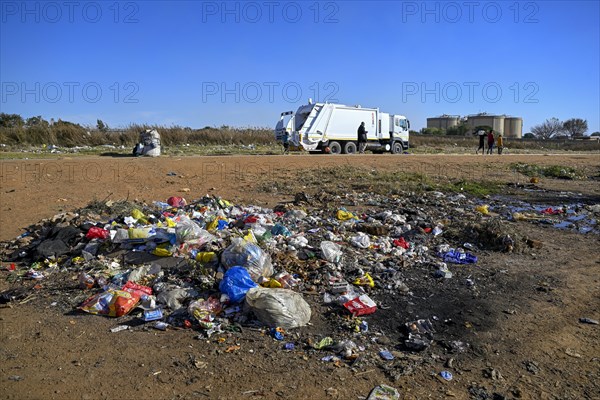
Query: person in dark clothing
x,y
481,147
491,142
362,138
286,142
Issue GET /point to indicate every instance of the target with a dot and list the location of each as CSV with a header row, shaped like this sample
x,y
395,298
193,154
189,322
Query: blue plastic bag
x,y
236,283
457,257
279,229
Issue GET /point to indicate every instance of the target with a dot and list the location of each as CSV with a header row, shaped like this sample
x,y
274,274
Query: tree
x,y
11,120
432,131
595,134
529,135
548,129
36,121
458,130
102,127
575,127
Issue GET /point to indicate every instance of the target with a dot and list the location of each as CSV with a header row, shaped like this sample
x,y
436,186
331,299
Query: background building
x,y
443,121
507,126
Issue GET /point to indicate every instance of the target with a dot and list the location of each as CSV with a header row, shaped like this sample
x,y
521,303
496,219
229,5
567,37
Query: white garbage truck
x,y
332,128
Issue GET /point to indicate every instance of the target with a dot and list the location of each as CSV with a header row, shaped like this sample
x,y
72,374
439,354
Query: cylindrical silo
x,y
513,127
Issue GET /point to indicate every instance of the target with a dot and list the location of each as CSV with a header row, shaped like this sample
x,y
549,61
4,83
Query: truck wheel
x,y
349,148
335,148
397,148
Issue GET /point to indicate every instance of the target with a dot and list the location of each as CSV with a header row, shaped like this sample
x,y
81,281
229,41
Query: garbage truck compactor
x,y
332,128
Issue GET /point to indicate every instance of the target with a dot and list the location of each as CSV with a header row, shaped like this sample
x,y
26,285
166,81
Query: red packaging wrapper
x,y
361,305
97,233
140,290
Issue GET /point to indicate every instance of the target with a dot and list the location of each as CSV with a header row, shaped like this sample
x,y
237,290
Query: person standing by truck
x,y
362,138
286,142
491,142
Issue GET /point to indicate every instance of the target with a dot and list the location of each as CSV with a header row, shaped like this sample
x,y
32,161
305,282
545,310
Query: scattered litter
x,y
384,392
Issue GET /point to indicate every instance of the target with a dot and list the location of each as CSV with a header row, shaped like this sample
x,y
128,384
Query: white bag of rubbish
x,y
149,144
250,256
278,307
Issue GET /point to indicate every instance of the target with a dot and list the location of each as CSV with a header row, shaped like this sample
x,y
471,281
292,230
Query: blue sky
x,y
243,63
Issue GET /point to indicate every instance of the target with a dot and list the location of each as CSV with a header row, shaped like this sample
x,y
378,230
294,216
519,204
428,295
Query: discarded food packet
x,y
161,325
153,315
386,355
119,328
339,287
361,305
326,341
384,392
289,346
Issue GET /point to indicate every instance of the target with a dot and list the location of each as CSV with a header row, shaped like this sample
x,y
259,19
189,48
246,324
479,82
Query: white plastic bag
x,y
331,251
278,307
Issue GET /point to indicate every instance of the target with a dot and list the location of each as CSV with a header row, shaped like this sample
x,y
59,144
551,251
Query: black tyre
x,y
397,148
349,148
335,148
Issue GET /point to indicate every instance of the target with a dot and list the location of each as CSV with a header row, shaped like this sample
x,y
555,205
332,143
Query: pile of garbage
x,y
213,266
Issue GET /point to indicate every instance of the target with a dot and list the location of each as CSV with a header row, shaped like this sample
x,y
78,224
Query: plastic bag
x,y
177,202
188,230
278,307
401,243
236,283
112,303
242,253
458,257
331,251
361,240
97,233
279,229
174,297
344,215
483,209
204,311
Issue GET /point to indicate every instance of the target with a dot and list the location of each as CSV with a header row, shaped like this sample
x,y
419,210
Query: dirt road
x,y
36,189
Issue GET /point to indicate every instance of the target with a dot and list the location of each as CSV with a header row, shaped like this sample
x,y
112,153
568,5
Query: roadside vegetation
x,y
37,138
551,171
343,179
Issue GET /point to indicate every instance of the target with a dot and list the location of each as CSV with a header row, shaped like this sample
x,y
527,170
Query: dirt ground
x,y
522,325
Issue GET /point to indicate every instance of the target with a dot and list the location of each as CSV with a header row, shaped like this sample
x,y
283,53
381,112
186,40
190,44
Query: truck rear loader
x,y
332,128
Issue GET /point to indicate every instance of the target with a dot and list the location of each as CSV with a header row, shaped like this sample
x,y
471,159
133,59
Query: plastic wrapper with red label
x,y
139,290
112,303
361,305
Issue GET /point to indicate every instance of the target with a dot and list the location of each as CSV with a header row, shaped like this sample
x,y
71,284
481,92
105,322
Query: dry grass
x,y
69,135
